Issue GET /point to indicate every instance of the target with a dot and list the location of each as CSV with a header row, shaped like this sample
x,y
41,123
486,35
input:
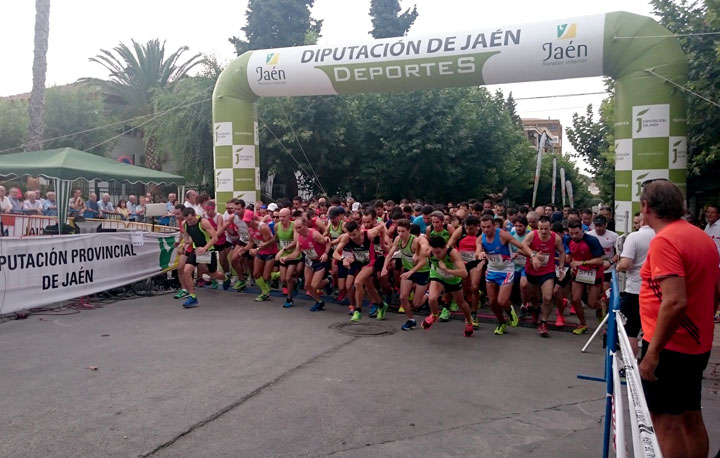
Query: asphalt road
x,y
234,378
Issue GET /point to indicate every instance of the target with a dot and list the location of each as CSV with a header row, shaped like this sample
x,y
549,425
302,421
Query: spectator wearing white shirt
x,y
5,205
32,206
712,228
132,205
191,202
50,205
15,201
632,258
106,207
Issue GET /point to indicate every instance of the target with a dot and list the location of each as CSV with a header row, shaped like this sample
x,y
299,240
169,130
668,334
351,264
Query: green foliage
x,y
185,135
387,22
703,51
13,124
277,23
138,73
72,109
77,110
594,143
446,144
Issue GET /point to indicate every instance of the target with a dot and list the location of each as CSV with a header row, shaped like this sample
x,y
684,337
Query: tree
x,y
593,142
277,23
387,22
37,96
75,116
185,135
137,76
688,20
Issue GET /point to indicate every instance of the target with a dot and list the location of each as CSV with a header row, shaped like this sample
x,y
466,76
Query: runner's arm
x,y
296,249
391,252
343,240
454,236
560,249
505,237
459,270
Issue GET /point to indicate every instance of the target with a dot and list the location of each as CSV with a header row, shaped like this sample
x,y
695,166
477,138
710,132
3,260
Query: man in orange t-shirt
x,y
677,301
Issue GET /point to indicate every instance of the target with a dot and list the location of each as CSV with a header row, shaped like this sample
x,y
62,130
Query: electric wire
x,y
683,88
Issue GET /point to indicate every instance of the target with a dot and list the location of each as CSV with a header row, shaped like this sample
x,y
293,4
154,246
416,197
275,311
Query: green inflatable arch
x,y
640,54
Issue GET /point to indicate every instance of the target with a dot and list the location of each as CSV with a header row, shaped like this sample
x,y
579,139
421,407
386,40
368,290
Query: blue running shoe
x,y
319,305
190,302
288,304
409,325
373,311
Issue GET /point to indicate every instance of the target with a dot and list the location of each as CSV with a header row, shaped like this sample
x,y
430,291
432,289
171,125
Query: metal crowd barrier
x,y
34,225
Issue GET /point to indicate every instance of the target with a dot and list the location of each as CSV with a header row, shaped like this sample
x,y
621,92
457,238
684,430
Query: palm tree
x,y
36,107
136,76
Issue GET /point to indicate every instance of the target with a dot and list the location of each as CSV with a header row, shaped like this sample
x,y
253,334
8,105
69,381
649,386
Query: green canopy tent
x,y
65,165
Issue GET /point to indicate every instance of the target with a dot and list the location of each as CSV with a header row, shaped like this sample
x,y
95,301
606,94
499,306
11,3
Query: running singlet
x,y
448,264
466,246
310,247
520,259
545,254
285,237
444,234
221,240
198,235
498,255
363,253
256,236
406,255
335,231
607,241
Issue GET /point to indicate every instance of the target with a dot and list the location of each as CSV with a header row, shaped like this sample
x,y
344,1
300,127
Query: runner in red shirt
x,y
680,287
587,271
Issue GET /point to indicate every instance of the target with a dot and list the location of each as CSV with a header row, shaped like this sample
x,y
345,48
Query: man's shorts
x,y
471,265
630,307
222,246
518,275
679,382
315,265
419,278
379,263
398,264
607,277
212,267
447,286
352,271
539,279
566,279
500,278
265,257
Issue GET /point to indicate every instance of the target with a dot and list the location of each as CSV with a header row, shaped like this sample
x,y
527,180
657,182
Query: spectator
x,y
76,204
191,201
92,209
607,213
680,287
106,207
5,205
122,209
31,205
148,198
140,210
15,201
132,204
50,205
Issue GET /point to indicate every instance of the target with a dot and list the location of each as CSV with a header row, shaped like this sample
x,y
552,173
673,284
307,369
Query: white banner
x,y
43,270
557,49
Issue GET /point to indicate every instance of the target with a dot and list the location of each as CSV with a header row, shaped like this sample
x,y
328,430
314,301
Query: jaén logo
x,y
566,31
272,58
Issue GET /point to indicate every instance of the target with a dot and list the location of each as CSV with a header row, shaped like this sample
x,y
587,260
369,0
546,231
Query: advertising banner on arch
x,y
531,52
44,270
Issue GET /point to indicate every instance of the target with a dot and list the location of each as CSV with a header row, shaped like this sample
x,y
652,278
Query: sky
x,y
80,28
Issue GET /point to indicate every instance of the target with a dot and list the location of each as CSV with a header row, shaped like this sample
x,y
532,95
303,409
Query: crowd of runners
x,y
450,258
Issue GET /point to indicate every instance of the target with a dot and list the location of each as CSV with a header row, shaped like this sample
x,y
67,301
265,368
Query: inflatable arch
x,y
637,52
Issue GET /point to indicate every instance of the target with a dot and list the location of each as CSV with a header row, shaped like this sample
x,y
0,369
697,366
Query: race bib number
x,y
347,255
543,258
205,258
520,260
407,257
397,255
311,254
378,249
557,271
257,242
467,256
243,236
442,273
284,244
362,256
586,276
495,261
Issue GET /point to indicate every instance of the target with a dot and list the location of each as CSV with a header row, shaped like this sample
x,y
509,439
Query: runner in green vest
x,y
284,231
447,270
416,269
200,239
